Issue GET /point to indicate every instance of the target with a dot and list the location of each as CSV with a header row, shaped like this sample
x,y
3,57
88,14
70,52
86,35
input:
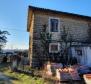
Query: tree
x,y
3,38
89,33
66,42
45,40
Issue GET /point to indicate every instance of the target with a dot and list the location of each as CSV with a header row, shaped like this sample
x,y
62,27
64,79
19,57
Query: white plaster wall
x,y
84,58
88,57
73,52
80,59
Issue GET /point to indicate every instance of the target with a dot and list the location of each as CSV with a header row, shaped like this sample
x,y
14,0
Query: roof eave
x,y
29,18
59,12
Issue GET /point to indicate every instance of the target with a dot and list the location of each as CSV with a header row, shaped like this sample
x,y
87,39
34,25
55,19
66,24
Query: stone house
x,y
54,22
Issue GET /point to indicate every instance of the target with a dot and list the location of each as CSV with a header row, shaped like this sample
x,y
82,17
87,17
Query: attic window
x,y
54,24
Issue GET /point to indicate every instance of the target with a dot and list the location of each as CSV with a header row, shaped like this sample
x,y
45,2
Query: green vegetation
x,y
23,78
3,38
20,78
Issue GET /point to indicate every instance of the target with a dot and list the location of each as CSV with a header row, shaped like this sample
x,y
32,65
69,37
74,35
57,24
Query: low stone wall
x,y
62,74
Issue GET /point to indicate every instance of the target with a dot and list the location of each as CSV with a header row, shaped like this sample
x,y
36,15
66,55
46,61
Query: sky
x,y
13,16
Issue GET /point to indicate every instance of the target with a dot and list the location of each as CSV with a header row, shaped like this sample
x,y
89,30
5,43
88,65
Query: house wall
x,y
30,54
78,28
81,59
88,49
85,58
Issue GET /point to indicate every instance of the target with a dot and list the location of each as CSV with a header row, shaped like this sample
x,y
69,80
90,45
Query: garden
x,y
20,77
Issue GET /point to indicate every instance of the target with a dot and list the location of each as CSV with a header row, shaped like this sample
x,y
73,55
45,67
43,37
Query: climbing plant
x,y
45,40
66,41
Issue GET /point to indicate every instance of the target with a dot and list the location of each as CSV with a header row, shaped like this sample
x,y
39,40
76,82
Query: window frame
x,y
56,51
50,24
79,52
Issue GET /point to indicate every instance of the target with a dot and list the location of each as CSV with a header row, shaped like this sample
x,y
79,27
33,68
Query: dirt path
x,y
4,79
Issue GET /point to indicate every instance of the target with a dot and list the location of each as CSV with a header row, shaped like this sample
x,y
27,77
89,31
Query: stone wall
x,y
77,28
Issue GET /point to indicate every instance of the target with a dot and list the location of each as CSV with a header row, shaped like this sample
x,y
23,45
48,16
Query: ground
x,y
8,77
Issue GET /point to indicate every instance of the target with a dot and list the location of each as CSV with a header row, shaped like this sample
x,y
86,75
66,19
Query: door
x,y
79,53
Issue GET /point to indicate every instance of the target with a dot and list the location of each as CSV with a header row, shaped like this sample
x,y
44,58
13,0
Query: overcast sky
x,y
13,16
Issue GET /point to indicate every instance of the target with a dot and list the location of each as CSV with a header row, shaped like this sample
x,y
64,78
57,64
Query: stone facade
x,y
76,27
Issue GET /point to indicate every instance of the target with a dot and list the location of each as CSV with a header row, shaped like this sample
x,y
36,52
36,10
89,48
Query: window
x,y
54,25
79,52
54,47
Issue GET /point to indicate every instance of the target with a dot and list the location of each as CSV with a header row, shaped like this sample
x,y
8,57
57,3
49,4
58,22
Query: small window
x,y
79,52
54,23
54,47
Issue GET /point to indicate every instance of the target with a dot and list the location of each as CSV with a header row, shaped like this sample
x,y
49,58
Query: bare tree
x,y
45,40
66,40
89,32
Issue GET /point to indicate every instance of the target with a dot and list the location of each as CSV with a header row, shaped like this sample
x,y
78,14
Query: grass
x,y
20,78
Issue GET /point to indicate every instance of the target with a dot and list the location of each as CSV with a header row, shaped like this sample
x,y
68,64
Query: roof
x,y
58,12
32,8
